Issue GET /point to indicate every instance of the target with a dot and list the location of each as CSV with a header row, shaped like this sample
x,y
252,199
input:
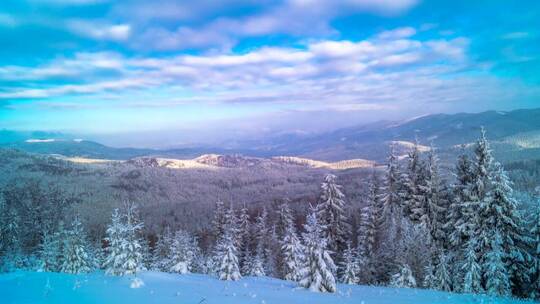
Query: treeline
x,y
418,228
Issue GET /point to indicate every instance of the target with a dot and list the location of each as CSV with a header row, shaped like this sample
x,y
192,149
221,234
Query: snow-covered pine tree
x,y
472,281
76,258
115,235
429,277
459,217
291,251
349,266
391,222
496,273
130,246
219,221
413,187
244,235
318,273
183,252
534,291
332,214
256,267
404,278
443,280
162,251
50,249
261,241
499,212
368,232
10,237
227,256
436,204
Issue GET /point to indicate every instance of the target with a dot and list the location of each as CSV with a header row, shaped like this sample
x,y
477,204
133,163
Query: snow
x,y
30,141
136,283
42,287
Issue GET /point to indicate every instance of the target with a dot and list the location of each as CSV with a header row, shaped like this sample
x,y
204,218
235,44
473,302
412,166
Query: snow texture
x,y
164,288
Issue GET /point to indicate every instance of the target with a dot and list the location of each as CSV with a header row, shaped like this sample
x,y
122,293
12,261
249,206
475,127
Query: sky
x,y
169,73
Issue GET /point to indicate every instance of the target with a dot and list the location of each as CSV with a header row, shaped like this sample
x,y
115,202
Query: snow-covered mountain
x,y
515,136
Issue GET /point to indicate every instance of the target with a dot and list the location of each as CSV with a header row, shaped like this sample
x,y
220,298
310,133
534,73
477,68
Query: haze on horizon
x,y
132,73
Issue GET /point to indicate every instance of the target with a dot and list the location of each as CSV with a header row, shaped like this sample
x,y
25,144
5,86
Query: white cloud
x,y
338,72
98,31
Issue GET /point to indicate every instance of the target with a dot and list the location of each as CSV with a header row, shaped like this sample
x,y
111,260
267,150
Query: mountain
x,y
515,135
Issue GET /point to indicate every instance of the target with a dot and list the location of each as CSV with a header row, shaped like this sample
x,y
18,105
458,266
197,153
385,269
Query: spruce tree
x,y
496,273
443,281
130,246
413,187
291,252
318,274
162,251
459,217
244,235
391,223
472,282
75,250
349,266
332,214
535,255
404,278
115,235
183,252
219,220
256,267
50,249
261,241
227,259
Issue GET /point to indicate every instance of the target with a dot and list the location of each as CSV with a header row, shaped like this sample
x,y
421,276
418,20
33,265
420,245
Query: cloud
x,y
98,31
327,71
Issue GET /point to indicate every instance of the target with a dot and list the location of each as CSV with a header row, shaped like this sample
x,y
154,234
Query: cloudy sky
x,y
206,70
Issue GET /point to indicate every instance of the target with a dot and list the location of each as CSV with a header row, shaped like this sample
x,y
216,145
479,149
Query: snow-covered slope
x,y
162,288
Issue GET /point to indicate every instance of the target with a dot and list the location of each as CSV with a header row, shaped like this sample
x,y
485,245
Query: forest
x,y
461,230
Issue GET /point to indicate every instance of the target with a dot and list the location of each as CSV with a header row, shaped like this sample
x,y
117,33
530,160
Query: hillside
x,y
165,288
170,190
514,136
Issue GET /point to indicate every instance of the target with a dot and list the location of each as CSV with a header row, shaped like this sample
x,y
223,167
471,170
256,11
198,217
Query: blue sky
x,y
222,69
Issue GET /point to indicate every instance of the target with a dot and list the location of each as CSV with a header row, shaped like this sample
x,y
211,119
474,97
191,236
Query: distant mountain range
x,y
514,135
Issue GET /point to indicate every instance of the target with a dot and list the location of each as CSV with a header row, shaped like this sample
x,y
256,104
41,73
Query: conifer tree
x,y
392,222
535,255
331,212
349,266
50,250
256,267
75,250
404,278
291,251
130,246
472,282
496,274
162,251
115,235
244,235
459,218
443,281
261,241
429,277
318,274
219,220
413,193
369,232
228,269
183,252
